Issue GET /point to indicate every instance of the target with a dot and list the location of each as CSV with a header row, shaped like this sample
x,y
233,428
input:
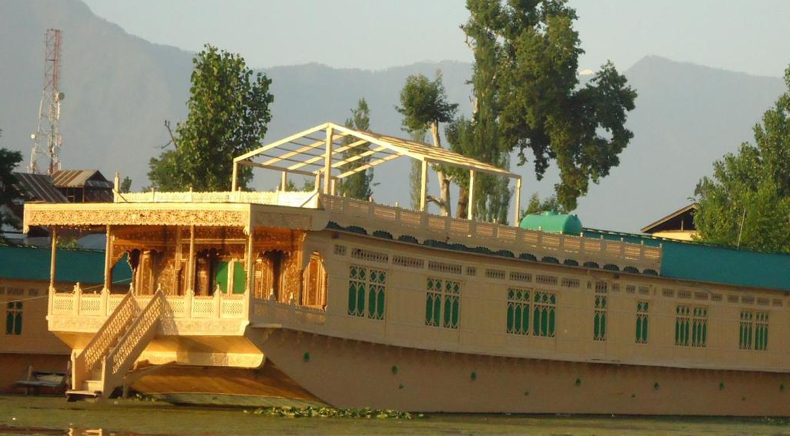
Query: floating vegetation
x,y
329,412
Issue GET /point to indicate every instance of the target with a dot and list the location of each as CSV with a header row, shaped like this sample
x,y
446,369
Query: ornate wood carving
x,y
81,218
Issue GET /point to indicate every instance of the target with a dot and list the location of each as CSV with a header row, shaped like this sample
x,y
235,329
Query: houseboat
x,y
309,298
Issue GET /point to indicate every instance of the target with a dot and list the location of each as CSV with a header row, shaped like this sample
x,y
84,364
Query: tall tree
x,y
228,114
528,97
746,203
126,185
357,185
8,192
424,106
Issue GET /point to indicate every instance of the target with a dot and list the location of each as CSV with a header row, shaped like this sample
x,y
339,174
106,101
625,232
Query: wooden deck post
x,y
234,176
54,235
284,181
517,213
471,206
191,266
108,259
423,184
328,161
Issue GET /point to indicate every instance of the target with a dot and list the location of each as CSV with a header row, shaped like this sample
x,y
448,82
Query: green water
x,y
54,416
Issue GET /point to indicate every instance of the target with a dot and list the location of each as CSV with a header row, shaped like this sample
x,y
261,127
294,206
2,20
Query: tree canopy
x,y
528,97
746,202
8,192
228,115
357,185
424,106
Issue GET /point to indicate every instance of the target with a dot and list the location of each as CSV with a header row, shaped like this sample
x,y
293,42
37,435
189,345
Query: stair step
x,y
75,395
92,385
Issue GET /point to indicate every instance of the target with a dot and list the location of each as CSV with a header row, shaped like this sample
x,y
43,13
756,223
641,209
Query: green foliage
x,y
329,412
8,192
357,185
529,98
746,203
424,103
424,106
228,114
126,185
537,206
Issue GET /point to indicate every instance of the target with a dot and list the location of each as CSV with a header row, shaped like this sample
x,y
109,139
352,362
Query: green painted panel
x,y
222,275
239,278
84,266
708,263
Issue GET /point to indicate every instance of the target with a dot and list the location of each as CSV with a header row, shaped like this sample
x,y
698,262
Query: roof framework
x,y
322,150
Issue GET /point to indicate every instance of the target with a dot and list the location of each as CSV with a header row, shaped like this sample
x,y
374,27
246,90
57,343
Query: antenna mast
x,y
48,128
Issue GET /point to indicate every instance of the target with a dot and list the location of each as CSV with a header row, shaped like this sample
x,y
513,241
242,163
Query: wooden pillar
x,y
234,176
191,268
471,206
328,162
250,264
284,181
108,259
54,235
317,185
423,184
178,262
518,202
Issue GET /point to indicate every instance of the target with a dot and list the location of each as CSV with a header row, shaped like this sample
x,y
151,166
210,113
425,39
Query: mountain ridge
x,y
121,88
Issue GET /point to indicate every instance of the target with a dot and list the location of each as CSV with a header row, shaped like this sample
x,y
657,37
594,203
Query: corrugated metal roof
x,y
80,179
84,266
39,187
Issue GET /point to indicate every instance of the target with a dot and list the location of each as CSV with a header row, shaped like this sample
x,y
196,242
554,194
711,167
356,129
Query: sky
x,y
746,36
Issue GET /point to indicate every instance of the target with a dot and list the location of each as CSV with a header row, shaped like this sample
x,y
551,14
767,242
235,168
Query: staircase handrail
x,y
87,359
129,347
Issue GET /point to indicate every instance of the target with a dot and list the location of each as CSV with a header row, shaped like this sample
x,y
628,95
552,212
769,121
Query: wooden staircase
x,y
102,365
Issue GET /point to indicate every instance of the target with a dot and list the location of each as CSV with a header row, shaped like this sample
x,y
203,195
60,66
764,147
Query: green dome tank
x,y
553,222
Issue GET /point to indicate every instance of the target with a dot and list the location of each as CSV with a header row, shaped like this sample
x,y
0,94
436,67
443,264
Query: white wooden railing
x,y
78,303
423,226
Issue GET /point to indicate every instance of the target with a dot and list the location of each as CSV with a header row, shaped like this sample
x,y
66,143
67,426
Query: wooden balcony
x,y
189,315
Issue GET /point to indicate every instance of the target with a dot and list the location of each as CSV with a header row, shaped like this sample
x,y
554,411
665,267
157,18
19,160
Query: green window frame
x,y
691,326
13,318
544,305
442,303
753,330
682,323
699,325
367,292
600,318
642,321
518,311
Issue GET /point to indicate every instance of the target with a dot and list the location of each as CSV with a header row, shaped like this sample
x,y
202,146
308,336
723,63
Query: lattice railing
x,y
424,226
131,344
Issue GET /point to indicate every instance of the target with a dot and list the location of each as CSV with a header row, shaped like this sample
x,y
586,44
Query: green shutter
x,y
352,297
222,275
239,278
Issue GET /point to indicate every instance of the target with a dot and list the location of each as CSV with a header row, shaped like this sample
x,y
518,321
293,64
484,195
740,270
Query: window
x,y
599,321
366,284
642,308
442,303
691,326
13,318
518,311
754,330
543,314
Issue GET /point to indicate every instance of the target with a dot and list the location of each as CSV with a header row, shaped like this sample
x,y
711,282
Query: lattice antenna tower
x,y
48,128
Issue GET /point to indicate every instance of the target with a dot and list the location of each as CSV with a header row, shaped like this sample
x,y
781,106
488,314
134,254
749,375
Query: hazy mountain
x,y
120,88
